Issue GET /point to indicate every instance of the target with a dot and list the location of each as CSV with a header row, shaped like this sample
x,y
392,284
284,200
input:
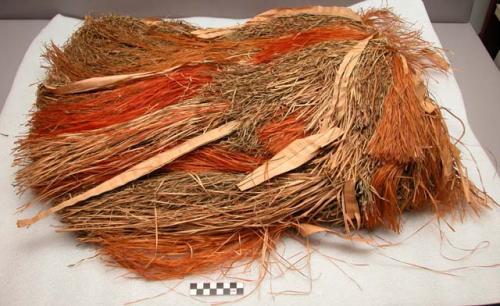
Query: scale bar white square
x,y
216,288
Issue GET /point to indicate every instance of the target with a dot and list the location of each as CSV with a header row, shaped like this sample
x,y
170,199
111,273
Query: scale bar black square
x,y
216,288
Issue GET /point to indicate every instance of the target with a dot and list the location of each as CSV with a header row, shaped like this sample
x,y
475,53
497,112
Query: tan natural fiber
x,y
293,156
139,170
102,82
267,16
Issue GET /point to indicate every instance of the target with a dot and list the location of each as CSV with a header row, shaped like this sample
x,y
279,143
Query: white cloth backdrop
x,y
34,262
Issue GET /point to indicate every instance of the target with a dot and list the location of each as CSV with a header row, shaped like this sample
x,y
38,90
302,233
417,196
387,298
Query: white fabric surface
x,y
34,262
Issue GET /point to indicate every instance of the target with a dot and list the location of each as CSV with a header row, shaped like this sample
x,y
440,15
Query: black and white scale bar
x,y
215,289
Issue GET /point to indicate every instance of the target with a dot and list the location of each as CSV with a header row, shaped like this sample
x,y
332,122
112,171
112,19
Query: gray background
x,y
439,10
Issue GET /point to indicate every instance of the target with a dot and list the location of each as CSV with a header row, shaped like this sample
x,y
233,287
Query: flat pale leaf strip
x,y
139,170
104,81
344,72
293,156
214,32
428,104
350,206
275,13
338,11
306,229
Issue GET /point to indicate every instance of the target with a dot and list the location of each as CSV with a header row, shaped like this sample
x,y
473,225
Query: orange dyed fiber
x,y
274,136
386,210
278,134
122,104
271,48
85,176
216,158
407,142
167,257
400,139
402,133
